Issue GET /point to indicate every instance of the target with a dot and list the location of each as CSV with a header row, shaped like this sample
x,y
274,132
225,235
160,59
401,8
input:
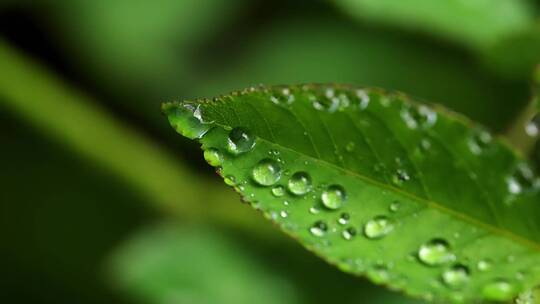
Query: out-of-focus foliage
x,y
85,150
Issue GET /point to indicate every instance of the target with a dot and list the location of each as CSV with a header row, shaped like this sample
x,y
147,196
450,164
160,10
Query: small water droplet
x,y
533,127
230,180
425,144
299,183
379,274
378,227
350,146
319,228
278,191
284,214
344,218
187,120
282,96
213,157
240,141
436,252
333,197
364,99
267,172
484,265
522,180
314,210
456,276
499,290
394,206
348,233
327,102
415,117
400,177
479,141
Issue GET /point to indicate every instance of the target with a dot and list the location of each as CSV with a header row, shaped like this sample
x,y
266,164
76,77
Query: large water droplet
x,y
333,197
187,120
300,183
436,252
267,172
213,157
378,227
499,290
456,276
319,228
278,191
240,140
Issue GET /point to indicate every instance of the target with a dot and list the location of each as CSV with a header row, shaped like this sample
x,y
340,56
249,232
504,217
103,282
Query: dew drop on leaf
x,y
267,172
187,121
344,218
435,252
319,228
532,128
415,117
378,227
484,265
213,157
314,210
240,141
498,290
278,191
284,214
379,274
479,141
230,180
400,177
299,183
282,96
333,197
348,233
456,277
394,206
363,99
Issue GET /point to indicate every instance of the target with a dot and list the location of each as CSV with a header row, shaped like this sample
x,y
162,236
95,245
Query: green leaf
x,y
474,23
420,200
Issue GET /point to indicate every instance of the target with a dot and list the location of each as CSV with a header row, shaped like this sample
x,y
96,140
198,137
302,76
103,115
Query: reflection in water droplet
x,y
348,233
333,197
479,141
300,183
484,265
213,157
240,141
499,290
187,120
436,252
344,218
378,227
394,206
267,172
278,191
456,276
318,229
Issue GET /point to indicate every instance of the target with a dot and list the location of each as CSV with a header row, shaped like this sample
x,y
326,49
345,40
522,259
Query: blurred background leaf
x,y
88,159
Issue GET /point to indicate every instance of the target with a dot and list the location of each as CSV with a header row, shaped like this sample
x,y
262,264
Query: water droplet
x,y
436,252
379,274
318,229
230,180
187,120
333,197
300,183
394,206
484,265
533,127
350,146
327,102
344,218
523,179
415,117
240,141
400,177
479,141
213,157
282,96
348,233
364,99
378,227
499,290
267,172
278,191
284,214
456,276
314,210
